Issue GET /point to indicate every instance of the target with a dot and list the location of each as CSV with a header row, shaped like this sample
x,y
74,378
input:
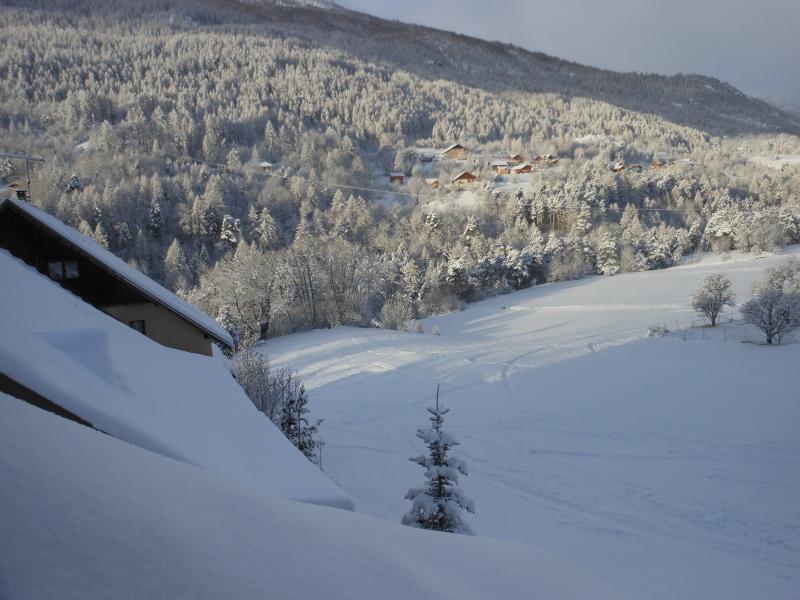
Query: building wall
x,y
163,326
456,153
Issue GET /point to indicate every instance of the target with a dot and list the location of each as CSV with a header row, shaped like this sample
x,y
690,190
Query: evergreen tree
x,y
296,427
229,233
439,503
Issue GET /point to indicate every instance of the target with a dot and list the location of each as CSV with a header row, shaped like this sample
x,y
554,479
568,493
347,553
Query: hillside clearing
x,y
621,452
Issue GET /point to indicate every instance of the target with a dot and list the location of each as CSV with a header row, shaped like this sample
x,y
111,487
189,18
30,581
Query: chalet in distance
x,y
464,179
455,152
522,169
105,281
397,177
434,183
516,159
500,167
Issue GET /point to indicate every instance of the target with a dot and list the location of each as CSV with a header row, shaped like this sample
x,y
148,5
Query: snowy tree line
x,y
154,128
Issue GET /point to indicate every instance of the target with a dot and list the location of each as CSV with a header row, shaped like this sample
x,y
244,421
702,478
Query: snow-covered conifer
x,y
296,427
439,503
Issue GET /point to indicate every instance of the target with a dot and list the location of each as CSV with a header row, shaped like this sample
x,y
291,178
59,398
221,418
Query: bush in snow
x,y
419,327
774,312
715,294
280,395
436,330
438,504
396,313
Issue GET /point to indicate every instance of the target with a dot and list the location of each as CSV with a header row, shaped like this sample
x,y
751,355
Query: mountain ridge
x,y
699,101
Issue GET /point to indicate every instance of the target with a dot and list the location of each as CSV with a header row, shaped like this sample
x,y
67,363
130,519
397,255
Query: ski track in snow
x,y
670,467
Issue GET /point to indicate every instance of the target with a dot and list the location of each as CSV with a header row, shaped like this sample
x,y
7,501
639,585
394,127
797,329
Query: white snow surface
x,y
672,467
178,404
87,516
127,272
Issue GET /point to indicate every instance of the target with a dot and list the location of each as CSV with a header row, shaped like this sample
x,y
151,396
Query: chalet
x,y
500,167
522,169
516,159
265,166
105,281
455,152
543,158
617,167
464,179
397,177
15,189
433,183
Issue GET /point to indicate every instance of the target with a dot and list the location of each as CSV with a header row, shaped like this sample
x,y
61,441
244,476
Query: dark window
x,y
138,326
55,270
71,269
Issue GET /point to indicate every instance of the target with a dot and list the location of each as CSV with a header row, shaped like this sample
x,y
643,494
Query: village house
x,y
500,167
516,159
617,167
522,169
455,152
433,183
265,166
105,281
464,179
397,177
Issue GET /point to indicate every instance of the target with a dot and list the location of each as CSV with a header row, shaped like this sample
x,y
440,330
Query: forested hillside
x,y
239,153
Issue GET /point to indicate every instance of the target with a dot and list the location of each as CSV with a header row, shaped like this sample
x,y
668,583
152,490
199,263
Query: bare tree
x,y
715,294
774,312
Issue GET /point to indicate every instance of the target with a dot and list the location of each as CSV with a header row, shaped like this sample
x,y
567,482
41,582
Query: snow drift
x,y
178,404
87,516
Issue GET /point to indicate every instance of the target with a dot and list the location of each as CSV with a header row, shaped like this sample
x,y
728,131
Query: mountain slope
x,y
692,100
672,466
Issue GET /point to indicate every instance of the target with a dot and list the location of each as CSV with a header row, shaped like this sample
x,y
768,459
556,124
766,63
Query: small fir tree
x,y
438,504
296,426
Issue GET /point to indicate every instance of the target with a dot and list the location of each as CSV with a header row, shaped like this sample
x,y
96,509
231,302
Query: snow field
x,y
672,467
88,516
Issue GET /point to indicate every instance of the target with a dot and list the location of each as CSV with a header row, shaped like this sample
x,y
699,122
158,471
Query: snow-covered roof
x,y
452,147
523,167
119,267
432,180
396,174
182,405
499,163
464,175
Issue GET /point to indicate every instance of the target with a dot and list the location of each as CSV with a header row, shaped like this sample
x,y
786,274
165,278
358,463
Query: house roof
x,y
178,404
523,167
464,175
118,267
499,163
431,180
454,146
396,174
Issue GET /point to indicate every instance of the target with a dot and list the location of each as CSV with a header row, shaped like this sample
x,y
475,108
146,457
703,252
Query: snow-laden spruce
x,y
438,504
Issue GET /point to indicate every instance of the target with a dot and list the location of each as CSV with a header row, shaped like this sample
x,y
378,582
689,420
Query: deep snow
x,y
87,516
670,466
178,404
